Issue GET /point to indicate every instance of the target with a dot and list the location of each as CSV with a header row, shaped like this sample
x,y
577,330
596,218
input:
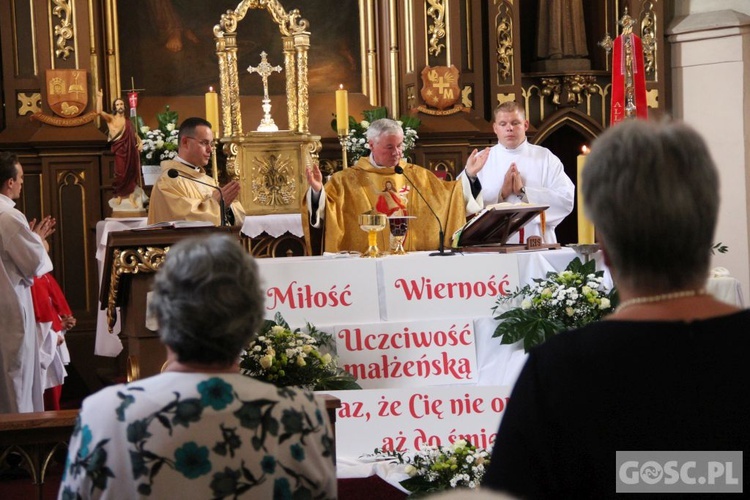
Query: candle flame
x,y
585,149
341,86
210,89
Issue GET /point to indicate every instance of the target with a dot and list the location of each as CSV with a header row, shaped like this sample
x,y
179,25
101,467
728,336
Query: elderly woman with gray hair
x,y
201,429
666,371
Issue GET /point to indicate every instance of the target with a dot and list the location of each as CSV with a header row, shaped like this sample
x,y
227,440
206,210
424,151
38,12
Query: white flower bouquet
x,y
561,301
285,357
438,468
160,143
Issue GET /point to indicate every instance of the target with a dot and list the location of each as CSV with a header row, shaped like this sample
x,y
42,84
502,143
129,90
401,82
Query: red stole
x,y
619,88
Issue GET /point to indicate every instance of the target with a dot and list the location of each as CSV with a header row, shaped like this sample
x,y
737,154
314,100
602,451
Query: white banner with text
x,y
444,287
409,354
411,418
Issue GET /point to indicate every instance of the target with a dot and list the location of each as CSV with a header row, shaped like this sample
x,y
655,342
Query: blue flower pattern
x,y
252,433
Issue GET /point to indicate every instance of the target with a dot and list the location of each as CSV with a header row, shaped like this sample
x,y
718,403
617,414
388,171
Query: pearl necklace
x,y
660,298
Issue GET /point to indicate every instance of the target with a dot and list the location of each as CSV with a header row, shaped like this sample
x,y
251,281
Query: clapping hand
x,y
44,228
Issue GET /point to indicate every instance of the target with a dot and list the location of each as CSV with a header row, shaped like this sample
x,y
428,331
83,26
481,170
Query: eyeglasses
x,y
205,143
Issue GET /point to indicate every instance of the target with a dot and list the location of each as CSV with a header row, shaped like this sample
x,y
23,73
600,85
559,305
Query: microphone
x,y
173,173
441,245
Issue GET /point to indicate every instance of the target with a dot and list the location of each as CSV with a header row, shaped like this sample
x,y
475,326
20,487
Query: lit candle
x,y
585,227
342,111
212,110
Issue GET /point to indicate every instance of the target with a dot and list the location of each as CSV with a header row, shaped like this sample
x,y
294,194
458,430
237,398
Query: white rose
x,y
526,304
604,304
326,359
170,126
266,362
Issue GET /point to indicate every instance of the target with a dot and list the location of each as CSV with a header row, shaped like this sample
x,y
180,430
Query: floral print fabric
x,y
206,436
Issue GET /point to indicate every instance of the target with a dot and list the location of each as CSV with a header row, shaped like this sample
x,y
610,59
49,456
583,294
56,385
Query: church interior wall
x,y
66,161
711,51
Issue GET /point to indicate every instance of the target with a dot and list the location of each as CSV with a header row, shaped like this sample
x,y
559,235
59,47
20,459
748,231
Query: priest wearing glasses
x,y
185,192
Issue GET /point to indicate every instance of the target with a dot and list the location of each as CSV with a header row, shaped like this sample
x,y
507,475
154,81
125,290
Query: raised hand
x,y
476,161
314,177
230,191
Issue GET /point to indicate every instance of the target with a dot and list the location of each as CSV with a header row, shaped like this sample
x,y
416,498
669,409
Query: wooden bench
x,y
36,437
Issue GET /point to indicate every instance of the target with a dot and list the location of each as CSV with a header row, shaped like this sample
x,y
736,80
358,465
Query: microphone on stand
x,y
441,248
173,173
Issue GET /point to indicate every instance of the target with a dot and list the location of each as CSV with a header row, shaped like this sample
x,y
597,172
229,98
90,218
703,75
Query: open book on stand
x,y
490,229
175,224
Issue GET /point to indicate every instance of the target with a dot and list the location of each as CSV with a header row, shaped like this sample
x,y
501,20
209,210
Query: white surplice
x,y
543,177
22,256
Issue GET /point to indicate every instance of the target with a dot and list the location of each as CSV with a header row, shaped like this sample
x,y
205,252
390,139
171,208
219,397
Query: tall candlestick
x,y
212,110
585,226
342,111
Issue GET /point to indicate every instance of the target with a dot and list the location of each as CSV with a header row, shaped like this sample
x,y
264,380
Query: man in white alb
x,y
22,256
517,171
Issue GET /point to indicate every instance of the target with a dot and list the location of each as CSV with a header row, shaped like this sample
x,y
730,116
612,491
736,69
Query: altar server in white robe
x,y
22,256
516,171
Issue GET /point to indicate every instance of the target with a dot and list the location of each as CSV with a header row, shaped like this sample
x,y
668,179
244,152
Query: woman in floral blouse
x,y
200,429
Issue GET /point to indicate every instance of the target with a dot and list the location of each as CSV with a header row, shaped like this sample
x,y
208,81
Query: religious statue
x,y
129,198
561,36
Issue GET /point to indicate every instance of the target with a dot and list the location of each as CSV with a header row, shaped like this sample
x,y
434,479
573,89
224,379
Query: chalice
x,y
398,224
372,223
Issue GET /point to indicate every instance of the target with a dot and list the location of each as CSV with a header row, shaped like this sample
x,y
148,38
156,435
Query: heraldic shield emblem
x,y
440,86
67,92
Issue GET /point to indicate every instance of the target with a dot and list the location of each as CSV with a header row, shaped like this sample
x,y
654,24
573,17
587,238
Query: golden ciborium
x,y
372,223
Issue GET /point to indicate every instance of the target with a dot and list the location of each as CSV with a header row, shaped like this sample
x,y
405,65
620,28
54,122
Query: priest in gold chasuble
x,y
373,185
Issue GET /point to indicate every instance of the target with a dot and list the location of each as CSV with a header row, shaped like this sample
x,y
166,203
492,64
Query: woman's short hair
x,y
207,300
652,191
381,127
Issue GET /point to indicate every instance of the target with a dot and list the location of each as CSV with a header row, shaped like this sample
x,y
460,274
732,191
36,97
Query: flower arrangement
x,y
356,142
438,468
561,301
160,143
285,357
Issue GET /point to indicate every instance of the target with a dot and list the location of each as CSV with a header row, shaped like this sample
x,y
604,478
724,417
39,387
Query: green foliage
x,y
719,247
561,301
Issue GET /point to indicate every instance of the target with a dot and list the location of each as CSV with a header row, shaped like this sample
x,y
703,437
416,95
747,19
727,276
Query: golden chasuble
x,y
364,187
183,199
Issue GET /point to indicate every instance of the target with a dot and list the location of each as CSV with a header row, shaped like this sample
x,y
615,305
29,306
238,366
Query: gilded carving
x,y
130,261
64,30
504,41
273,180
648,37
29,103
436,30
270,182
570,91
466,99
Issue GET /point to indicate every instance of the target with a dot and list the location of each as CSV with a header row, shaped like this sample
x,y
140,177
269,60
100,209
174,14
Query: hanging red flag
x,y
628,76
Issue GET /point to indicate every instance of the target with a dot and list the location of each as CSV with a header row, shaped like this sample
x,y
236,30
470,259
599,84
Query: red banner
x,y
624,68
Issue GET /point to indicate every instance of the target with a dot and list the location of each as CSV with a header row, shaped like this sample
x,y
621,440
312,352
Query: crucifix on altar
x,y
264,69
